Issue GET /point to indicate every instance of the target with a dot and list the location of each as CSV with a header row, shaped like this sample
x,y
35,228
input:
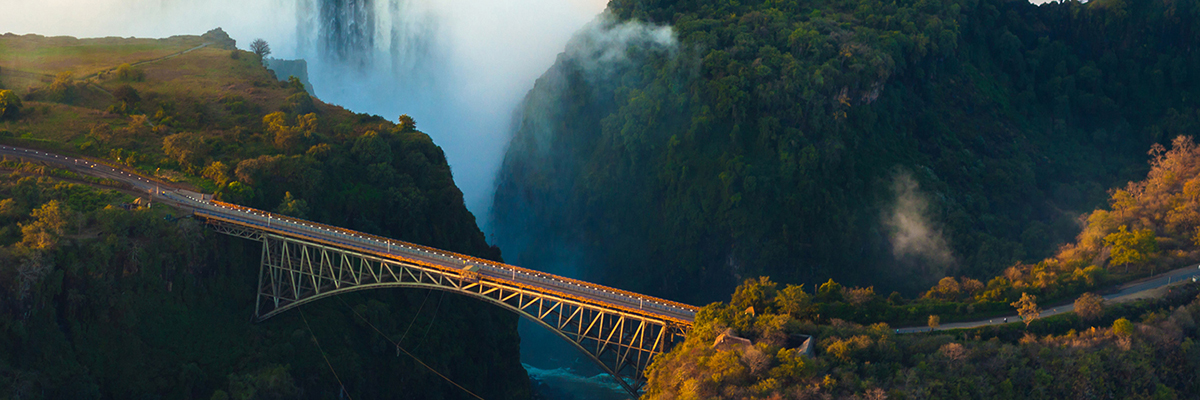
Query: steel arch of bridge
x,y
294,272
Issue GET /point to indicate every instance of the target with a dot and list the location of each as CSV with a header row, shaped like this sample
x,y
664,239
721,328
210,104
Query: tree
x,y
935,321
946,289
62,89
757,293
1089,306
127,73
370,148
794,301
127,94
407,123
1134,247
187,148
126,98
260,48
1123,328
1027,308
299,103
10,105
217,171
830,291
292,206
49,223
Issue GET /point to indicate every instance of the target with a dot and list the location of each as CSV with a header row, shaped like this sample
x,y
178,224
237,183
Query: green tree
x,y
292,206
370,148
126,99
758,293
187,148
1134,247
127,94
795,302
829,292
128,73
406,123
299,103
10,105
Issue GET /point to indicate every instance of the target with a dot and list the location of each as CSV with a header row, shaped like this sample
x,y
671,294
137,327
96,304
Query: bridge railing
x,y
547,280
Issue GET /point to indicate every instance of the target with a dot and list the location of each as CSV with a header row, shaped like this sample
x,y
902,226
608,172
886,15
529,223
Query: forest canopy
x,y
804,139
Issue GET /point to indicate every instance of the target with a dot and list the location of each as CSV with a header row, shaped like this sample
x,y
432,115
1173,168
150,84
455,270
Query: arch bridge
x,y
303,261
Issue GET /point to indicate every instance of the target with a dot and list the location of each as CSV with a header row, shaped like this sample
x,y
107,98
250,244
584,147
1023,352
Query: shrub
x,y
128,73
10,105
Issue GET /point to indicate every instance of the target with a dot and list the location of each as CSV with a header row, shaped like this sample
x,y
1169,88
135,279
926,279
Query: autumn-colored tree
x,y
62,89
217,171
935,321
49,223
287,137
1134,247
1089,306
858,295
946,289
1027,308
1123,328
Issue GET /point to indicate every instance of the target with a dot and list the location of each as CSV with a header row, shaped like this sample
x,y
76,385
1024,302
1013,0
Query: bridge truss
x,y
296,271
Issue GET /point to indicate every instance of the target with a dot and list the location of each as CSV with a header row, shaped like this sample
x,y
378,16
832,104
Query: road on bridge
x,y
203,205
1139,289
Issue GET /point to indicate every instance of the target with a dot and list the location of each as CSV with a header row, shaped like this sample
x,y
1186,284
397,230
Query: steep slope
x,y
119,304
876,143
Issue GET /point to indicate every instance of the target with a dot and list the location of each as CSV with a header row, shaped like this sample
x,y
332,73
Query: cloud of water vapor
x,y
600,51
914,237
459,67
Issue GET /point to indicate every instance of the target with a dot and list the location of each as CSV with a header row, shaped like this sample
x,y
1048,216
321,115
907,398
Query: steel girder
x,y
294,272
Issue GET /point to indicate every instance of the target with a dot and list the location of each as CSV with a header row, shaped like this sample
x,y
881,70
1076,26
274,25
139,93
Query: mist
x,y
914,237
459,67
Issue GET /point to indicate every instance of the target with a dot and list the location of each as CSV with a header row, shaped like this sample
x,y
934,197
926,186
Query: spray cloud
x,y
459,67
914,238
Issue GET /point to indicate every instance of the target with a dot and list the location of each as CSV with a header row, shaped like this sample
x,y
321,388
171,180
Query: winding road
x,y
1139,289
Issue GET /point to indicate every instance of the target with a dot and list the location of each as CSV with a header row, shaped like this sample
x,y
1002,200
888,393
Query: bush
x,y
128,73
63,89
10,105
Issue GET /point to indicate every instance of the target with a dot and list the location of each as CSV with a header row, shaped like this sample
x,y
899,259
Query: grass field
x,y
189,85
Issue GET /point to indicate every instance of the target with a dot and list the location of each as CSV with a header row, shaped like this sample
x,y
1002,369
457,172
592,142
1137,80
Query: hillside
x,y
1146,350
878,144
97,301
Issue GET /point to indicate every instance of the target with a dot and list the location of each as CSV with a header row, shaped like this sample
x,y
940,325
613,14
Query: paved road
x,y
1142,288
202,205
